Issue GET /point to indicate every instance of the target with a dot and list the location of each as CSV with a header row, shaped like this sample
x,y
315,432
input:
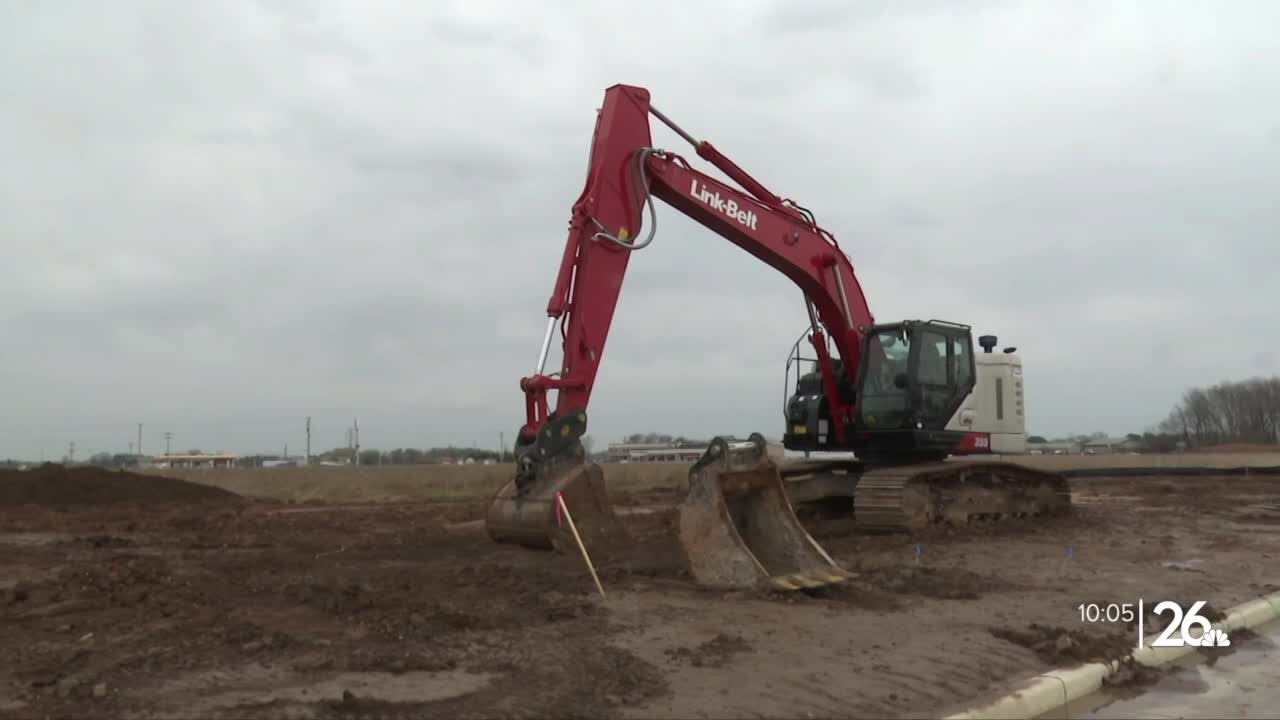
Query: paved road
x,y
1244,684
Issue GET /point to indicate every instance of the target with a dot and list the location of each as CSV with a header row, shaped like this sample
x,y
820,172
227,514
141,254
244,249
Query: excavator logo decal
x,y
726,206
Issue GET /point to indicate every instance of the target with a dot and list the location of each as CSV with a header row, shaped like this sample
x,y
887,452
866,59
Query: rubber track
x,y
880,493
915,496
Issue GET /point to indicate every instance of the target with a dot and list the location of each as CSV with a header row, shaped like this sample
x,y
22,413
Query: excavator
x,y
898,397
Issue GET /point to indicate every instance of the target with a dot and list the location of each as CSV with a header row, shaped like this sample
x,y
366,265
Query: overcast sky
x,y
221,217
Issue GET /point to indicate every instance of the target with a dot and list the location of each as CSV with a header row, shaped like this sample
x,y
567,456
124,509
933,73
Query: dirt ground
x,y
419,483
183,600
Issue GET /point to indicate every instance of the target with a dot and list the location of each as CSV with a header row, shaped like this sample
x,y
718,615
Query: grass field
x,y
468,482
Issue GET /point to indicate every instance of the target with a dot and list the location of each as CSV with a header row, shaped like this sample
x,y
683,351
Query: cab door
x,y
942,371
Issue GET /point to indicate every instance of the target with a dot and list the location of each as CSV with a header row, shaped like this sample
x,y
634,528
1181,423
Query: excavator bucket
x,y
737,527
524,511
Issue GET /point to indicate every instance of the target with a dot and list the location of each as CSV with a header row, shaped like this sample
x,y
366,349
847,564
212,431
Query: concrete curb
x,y
1048,692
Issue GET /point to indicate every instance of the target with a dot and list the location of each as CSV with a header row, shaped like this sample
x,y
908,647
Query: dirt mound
x,y
52,484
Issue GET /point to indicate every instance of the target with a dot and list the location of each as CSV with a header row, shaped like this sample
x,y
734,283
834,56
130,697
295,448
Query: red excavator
x,y
884,392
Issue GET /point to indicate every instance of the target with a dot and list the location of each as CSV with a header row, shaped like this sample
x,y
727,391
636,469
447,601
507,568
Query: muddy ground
x,y
183,600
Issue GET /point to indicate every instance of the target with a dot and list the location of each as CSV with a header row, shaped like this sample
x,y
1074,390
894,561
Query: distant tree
x,y
369,457
102,459
1036,439
124,460
344,454
1246,411
1153,442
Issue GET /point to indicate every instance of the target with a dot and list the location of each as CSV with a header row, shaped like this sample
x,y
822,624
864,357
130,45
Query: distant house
x,y
688,452
1057,448
279,463
1107,446
195,461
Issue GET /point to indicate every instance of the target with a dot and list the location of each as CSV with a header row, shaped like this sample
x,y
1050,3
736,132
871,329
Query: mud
x,y
208,606
1059,646
715,652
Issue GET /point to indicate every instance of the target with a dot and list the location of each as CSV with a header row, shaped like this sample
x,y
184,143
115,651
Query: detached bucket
x,y
738,529
524,511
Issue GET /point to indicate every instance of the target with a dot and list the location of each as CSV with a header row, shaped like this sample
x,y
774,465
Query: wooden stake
x,y
574,528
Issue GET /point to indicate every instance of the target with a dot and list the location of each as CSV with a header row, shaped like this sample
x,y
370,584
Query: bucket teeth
x,y
807,581
737,527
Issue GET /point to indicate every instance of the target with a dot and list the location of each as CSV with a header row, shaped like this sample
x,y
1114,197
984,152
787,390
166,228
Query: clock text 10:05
x,y
1111,612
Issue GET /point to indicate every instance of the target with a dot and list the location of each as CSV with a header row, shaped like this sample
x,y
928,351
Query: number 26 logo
x,y
1182,624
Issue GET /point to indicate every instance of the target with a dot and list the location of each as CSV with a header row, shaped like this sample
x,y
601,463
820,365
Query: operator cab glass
x,y
885,401
915,375
945,374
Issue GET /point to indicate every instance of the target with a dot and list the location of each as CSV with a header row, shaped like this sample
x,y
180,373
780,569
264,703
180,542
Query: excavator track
x,y
915,496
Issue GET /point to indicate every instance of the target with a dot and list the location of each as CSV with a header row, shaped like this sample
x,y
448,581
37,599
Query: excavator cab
x,y
913,378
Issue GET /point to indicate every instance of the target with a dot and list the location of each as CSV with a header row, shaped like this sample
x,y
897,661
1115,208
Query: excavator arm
x,y
624,175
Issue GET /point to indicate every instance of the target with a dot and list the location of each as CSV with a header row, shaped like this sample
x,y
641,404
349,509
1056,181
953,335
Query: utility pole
x,y
355,429
139,438
502,447
71,452
286,451
308,439
167,437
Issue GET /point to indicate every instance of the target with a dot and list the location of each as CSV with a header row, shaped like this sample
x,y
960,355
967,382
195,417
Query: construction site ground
x,y
142,596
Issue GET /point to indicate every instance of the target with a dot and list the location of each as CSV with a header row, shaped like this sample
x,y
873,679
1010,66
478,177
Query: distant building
x,y
688,452
1056,448
1107,446
195,461
280,463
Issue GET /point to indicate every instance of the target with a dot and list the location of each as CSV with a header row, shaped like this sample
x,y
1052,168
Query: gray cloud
x,y
223,217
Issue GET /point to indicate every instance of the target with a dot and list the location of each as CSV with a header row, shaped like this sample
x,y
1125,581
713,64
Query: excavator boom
x,y
624,174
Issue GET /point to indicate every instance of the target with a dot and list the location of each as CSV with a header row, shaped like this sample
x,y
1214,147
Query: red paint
x,y
591,271
974,443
